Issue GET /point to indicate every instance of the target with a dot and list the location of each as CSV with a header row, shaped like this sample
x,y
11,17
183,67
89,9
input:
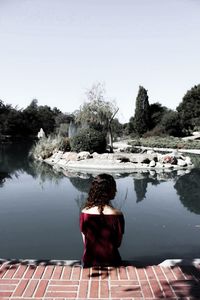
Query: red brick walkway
x,y
28,281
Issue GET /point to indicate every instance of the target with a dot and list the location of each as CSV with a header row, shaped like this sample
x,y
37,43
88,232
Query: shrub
x,y
64,144
45,147
156,131
135,142
89,140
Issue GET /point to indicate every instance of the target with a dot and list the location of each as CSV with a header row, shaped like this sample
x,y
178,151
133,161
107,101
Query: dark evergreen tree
x,y
11,120
31,119
189,108
157,111
46,119
170,123
142,113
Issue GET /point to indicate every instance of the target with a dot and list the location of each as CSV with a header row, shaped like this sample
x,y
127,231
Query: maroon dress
x,y
103,236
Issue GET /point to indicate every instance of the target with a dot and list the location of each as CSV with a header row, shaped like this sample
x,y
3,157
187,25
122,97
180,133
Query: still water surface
x,y
39,211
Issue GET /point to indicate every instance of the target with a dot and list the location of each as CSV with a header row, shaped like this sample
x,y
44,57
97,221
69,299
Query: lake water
x,y
39,211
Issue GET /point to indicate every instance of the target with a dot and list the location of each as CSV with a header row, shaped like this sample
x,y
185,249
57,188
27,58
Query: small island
x,y
121,160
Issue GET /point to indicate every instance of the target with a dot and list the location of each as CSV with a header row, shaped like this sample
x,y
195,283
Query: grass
x,y
45,147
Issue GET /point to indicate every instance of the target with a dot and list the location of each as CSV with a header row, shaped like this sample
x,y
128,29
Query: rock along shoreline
x,y
119,161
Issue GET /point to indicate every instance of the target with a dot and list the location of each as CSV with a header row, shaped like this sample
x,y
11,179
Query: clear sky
x,y
54,50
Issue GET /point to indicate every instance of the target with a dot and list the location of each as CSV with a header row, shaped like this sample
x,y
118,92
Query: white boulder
x,y
181,163
159,165
152,163
83,155
188,160
68,156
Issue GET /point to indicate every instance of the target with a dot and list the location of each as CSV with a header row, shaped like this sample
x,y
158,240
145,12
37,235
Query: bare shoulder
x,y
111,211
108,210
91,210
84,210
117,211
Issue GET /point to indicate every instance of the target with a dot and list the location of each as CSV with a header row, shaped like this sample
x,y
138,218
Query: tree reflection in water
x,y
82,184
142,179
14,159
188,188
3,177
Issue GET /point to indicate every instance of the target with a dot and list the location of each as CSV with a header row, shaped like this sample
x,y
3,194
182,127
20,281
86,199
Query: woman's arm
x,y
81,223
83,236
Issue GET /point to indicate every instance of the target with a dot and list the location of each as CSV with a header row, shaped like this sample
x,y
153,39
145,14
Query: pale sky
x,y
54,50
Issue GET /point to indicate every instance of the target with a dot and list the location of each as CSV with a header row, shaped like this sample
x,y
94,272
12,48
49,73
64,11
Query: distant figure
x,y
41,134
101,225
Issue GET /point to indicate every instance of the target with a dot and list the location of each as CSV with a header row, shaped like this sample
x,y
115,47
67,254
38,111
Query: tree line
x,y
27,122
157,120
99,113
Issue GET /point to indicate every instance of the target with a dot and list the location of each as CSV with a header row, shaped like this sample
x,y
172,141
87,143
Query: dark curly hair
x,y
102,190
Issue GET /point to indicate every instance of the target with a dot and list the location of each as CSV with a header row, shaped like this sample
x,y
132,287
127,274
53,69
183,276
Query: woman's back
x,y
102,236
107,210
101,225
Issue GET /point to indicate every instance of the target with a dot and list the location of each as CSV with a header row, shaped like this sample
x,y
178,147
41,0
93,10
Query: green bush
x,y
89,140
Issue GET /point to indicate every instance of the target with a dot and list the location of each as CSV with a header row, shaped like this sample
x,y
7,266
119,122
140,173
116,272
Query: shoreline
x,y
77,262
120,162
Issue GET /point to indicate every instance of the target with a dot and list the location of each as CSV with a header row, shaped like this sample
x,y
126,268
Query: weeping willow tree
x,y
97,112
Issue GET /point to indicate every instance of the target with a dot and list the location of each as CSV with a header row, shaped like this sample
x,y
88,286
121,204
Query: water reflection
x,y
3,177
82,184
141,180
44,172
14,157
14,160
187,185
188,188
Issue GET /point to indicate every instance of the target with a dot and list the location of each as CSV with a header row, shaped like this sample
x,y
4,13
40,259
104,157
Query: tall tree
x,y
170,123
189,108
157,111
142,113
11,120
97,112
46,118
31,118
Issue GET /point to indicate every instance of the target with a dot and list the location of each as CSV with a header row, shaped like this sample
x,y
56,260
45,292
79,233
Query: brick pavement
x,y
54,281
